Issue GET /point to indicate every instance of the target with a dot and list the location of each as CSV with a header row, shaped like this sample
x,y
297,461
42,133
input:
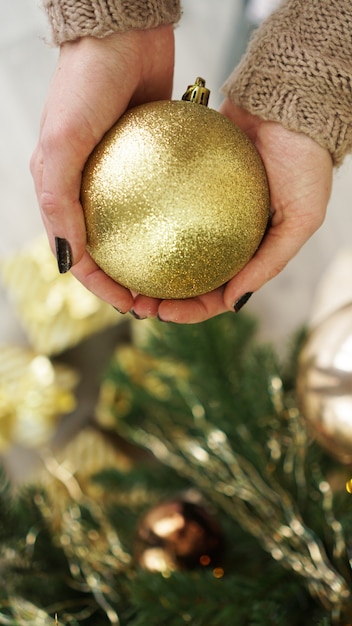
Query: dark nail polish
x,y
63,255
242,301
136,316
118,310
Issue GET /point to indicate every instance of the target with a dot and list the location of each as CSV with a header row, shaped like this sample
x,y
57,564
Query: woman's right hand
x,y
95,81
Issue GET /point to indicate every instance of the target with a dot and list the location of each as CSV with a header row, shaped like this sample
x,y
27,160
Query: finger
x,y
59,202
56,166
96,281
193,310
281,243
36,166
144,306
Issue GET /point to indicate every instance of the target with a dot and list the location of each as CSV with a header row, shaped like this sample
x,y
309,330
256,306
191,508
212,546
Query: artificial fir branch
x,y
220,416
6,507
217,424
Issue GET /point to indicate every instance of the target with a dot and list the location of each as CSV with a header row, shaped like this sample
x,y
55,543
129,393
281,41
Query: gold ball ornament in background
x,y
178,534
175,198
324,384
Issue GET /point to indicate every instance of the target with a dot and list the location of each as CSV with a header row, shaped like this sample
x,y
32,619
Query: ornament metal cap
x,y
197,93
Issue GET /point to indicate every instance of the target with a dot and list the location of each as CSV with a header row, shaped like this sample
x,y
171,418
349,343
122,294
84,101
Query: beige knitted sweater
x,y
297,70
71,19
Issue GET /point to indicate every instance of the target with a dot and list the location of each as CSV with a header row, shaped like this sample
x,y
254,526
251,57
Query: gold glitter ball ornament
x,y
175,198
324,383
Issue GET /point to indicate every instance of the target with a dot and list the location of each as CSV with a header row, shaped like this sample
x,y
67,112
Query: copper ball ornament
x,y
178,534
324,384
175,198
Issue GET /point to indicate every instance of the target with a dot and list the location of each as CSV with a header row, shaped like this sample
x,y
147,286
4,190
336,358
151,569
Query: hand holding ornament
x,y
299,174
95,81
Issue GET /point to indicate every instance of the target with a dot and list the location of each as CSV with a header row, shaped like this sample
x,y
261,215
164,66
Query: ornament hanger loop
x,y
197,93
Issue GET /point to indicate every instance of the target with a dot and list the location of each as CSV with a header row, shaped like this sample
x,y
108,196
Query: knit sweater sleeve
x,y
71,19
298,71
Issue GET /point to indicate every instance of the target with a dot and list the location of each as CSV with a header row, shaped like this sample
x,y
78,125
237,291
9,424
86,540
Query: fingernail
x,y
242,301
136,316
119,310
63,255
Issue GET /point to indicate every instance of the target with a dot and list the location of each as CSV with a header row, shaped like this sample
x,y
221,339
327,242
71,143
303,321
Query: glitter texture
x,y
176,200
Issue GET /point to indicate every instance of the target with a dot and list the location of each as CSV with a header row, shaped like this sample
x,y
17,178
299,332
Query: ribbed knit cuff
x,y
71,19
298,71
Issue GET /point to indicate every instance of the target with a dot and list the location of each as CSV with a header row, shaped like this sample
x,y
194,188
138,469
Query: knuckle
x,y
317,221
49,204
52,139
57,135
276,269
66,135
33,162
36,165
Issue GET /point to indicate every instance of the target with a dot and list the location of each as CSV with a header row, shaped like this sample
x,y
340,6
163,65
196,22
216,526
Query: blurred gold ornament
x,y
67,473
34,393
324,383
178,534
56,311
175,197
